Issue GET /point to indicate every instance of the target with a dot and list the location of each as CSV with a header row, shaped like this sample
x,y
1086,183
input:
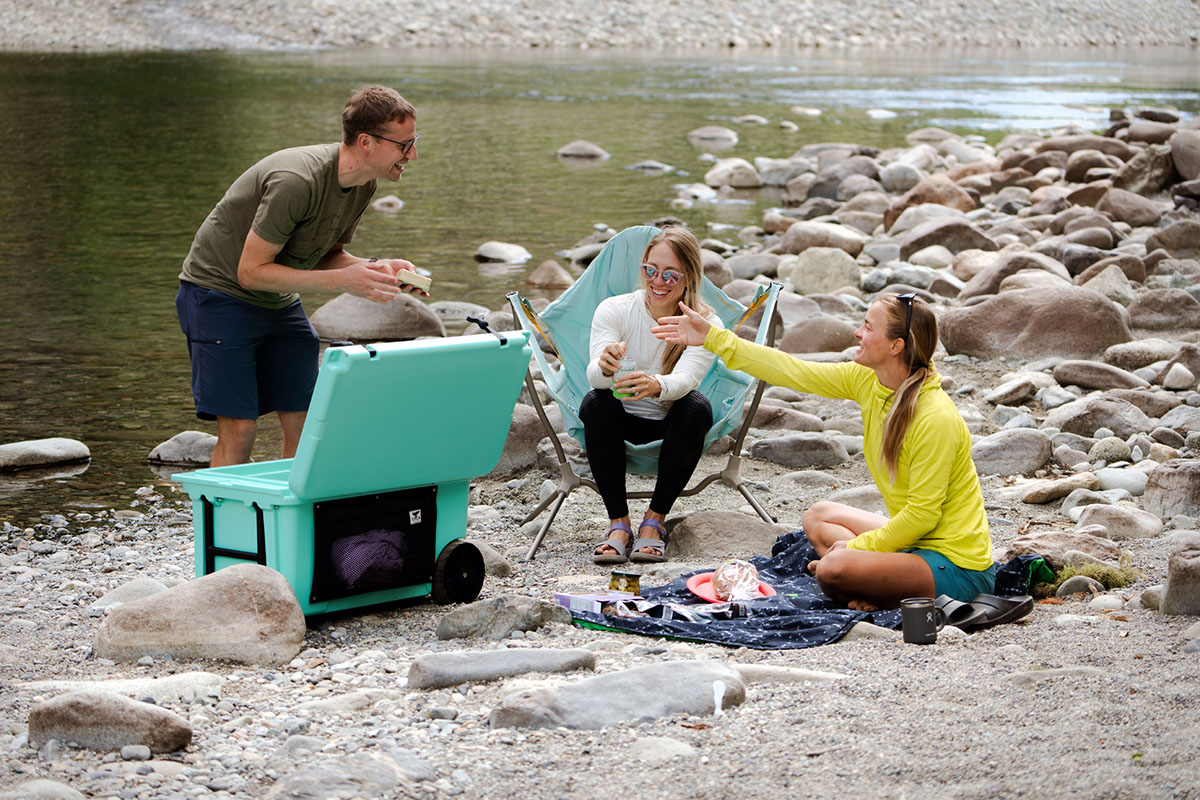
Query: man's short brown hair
x,y
372,107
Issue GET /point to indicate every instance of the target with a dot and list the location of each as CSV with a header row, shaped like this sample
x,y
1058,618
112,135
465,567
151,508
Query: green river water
x,y
111,162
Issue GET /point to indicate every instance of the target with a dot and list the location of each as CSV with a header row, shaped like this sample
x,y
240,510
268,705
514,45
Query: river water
x,y
112,161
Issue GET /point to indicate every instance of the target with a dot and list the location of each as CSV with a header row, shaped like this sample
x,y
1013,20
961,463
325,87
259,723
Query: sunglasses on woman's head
x,y
670,277
908,300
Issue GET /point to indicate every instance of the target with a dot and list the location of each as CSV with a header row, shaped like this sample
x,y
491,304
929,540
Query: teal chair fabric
x,y
566,325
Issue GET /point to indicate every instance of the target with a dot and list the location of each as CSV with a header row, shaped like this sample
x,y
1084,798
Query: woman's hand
x,y
638,386
688,328
610,357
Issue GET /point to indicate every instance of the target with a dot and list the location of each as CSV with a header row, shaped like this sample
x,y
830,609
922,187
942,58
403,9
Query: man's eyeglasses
x,y
404,146
670,277
908,300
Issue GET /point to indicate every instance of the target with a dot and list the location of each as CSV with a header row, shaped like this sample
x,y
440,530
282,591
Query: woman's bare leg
x,y
826,522
866,581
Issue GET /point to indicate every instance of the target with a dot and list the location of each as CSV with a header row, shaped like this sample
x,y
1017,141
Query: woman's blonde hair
x,y
687,250
919,343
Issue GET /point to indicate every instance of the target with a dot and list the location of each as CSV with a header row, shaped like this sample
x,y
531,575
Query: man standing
x,y
281,228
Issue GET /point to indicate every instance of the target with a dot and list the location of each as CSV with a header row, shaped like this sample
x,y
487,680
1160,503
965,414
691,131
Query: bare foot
x,y
862,605
812,565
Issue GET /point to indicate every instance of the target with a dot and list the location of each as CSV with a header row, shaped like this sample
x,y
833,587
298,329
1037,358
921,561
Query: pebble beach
x,y
1092,695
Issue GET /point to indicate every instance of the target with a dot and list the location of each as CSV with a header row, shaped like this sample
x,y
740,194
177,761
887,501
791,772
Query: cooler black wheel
x,y
457,573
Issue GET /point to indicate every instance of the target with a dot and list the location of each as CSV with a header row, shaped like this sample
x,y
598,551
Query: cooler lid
x,y
400,414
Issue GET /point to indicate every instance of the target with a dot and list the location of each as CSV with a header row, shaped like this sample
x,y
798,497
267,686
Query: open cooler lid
x,y
400,414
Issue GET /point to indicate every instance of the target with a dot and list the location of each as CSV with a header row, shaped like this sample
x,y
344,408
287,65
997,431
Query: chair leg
x,y
557,498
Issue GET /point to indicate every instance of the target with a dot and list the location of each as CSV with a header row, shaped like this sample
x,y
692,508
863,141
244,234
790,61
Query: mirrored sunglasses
x,y
670,277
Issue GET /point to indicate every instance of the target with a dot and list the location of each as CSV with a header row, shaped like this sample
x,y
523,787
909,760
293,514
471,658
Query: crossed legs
x,y
862,579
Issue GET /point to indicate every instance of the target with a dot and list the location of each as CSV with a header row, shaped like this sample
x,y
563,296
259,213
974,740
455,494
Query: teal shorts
x,y
950,579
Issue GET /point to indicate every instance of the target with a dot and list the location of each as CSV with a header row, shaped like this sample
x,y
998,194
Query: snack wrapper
x,y
735,580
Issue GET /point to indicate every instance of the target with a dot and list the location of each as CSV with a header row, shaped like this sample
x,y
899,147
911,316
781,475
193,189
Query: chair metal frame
x,y
526,318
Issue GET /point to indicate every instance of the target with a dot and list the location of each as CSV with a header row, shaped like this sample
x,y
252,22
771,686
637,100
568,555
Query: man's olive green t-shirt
x,y
290,198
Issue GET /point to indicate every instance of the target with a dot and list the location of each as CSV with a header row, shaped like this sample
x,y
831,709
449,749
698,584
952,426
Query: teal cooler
x,y
373,507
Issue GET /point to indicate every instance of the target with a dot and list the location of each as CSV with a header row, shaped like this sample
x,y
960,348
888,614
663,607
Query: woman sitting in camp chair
x,y
918,451
656,400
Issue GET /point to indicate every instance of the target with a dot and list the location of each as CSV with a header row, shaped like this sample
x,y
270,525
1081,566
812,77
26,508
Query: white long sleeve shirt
x,y
625,318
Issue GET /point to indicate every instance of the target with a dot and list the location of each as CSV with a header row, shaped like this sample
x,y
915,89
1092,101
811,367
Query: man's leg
x,y
235,441
292,423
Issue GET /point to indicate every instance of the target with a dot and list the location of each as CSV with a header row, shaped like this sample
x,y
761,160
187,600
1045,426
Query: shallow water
x,y
113,160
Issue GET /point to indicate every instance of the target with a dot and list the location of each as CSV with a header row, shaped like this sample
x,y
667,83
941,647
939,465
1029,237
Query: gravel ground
x,y
955,719
58,25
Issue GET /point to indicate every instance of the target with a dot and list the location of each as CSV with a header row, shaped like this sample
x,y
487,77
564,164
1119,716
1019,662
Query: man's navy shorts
x,y
246,360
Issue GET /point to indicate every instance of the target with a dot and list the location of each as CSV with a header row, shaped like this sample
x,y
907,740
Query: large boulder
x,y
1181,594
954,234
820,270
520,447
709,535
1066,321
819,334
803,235
1172,488
1125,206
1180,239
357,319
1011,452
1185,152
1164,309
1086,415
737,173
245,613
937,188
990,278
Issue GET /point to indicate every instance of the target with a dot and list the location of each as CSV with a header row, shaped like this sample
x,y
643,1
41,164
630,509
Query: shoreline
x,y
573,25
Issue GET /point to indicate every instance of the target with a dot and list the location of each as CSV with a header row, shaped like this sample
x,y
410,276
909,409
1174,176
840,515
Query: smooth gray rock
x,y
500,616
801,450
357,319
581,148
1181,594
719,534
1011,452
646,693
1130,480
41,789
456,311
375,775
865,497
502,252
1079,584
1095,375
1086,497
1066,321
820,270
1122,522
1088,414
245,613
1052,545
1037,676
751,264
438,670
188,448
42,453
105,721
1163,309
1182,418
1173,488
521,445
494,563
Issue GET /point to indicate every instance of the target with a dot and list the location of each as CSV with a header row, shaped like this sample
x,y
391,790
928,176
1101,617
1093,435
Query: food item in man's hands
x,y
407,276
735,580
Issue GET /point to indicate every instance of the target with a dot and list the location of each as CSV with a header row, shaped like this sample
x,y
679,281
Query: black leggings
x,y
606,428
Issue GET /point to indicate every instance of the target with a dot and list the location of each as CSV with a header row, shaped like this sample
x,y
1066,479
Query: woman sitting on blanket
x,y
918,451
657,400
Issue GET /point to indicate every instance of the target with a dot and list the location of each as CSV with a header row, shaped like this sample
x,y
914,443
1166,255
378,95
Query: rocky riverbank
x,y
1063,267
66,25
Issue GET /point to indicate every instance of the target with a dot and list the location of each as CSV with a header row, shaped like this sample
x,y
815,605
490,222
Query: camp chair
x,y
566,325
